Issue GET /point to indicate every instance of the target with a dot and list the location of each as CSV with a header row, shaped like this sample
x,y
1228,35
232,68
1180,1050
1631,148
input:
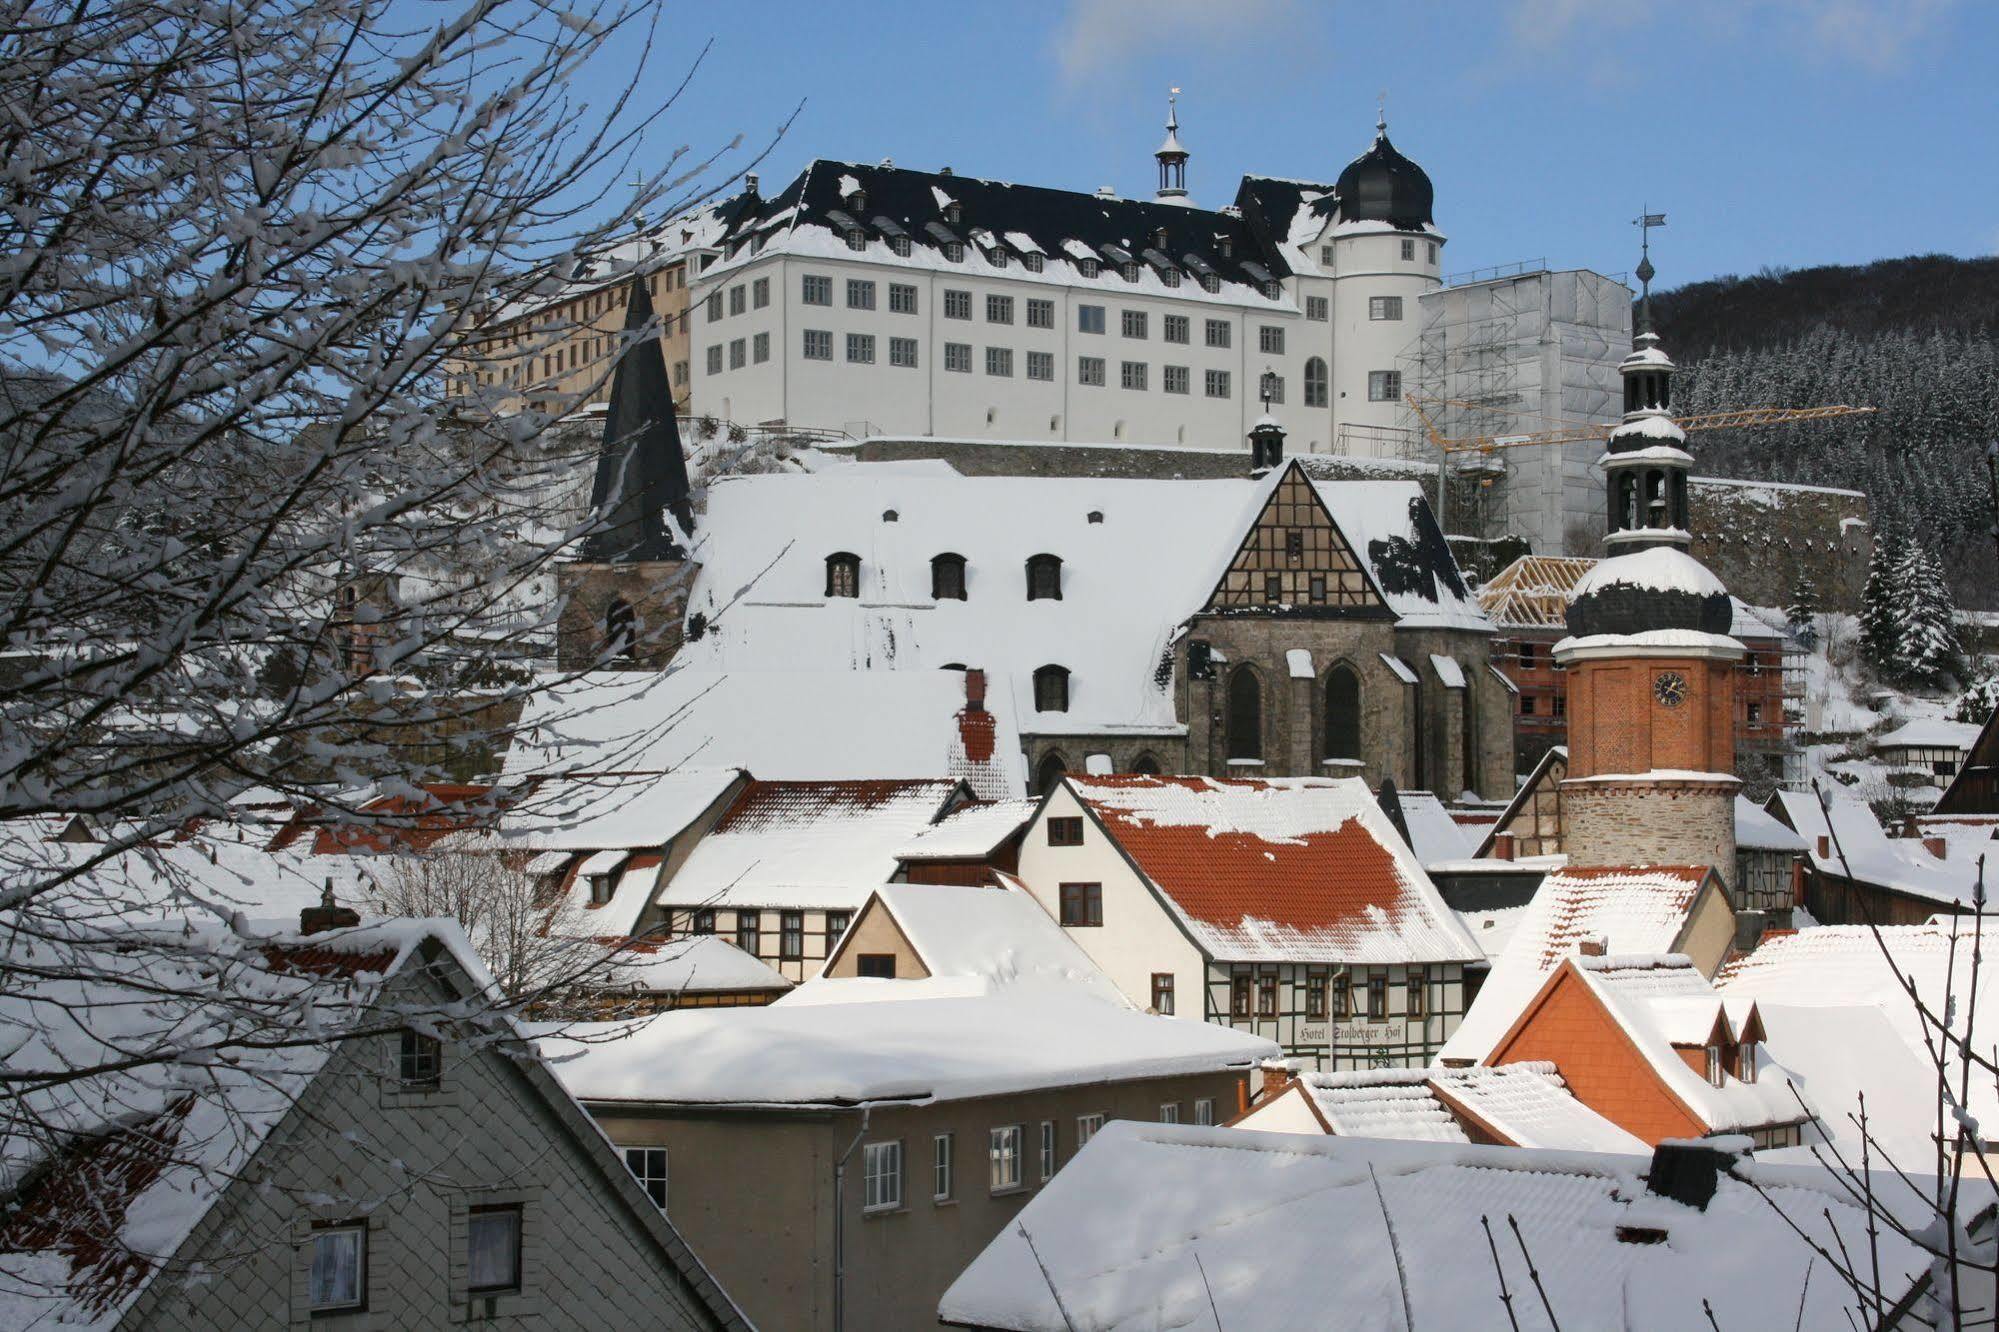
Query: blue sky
x,y
1772,132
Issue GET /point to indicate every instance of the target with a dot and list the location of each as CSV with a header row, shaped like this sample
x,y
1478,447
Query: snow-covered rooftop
x,y
1929,733
971,831
693,964
627,812
1856,842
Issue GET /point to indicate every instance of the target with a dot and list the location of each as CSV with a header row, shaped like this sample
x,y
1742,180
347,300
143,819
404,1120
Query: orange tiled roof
x,y
766,805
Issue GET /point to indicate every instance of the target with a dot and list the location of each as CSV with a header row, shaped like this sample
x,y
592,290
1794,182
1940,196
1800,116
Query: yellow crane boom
x,y
1597,431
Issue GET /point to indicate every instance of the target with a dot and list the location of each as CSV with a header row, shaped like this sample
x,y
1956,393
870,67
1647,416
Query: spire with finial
x,y
1645,221
641,471
1381,114
1172,156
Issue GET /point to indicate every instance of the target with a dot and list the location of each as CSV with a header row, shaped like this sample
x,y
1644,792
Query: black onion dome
x,y
1381,185
1658,588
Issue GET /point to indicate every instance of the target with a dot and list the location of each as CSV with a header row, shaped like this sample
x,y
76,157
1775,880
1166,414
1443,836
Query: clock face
x,y
1670,688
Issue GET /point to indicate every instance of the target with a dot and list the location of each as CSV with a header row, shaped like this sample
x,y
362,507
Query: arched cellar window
x,y
1146,766
1317,384
843,575
621,629
947,578
1044,578
1245,714
1342,720
1051,689
1048,774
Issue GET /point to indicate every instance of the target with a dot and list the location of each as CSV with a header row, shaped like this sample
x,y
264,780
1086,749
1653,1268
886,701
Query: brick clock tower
x,y
1651,667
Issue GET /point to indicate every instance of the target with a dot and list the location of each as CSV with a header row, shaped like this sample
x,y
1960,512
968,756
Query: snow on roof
x,y
1836,1053
1756,830
1930,733
814,724
805,844
1527,1103
1636,911
1448,671
695,964
1898,863
1018,1038
970,832
1658,569
1435,836
1399,667
1396,538
1833,966
1533,593
1289,869
207,878
1492,927
1288,1228
1652,427
612,811
999,935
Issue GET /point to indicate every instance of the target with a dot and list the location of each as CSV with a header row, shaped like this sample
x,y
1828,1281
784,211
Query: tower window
x,y
947,578
843,575
1044,578
1384,307
1051,689
1408,249
1245,715
621,625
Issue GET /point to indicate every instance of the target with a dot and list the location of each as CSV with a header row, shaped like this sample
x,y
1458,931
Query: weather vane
x,y
1645,221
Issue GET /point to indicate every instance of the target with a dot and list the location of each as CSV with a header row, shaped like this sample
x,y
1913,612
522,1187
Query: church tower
x,y
623,598
1651,667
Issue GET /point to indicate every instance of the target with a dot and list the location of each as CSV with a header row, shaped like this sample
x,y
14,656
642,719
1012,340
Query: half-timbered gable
x,y
1294,558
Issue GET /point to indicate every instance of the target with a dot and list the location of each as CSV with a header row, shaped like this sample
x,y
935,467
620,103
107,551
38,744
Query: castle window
x,y
1317,383
947,578
1044,578
1384,385
1342,719
621,625
1051,689
1245,715
843,575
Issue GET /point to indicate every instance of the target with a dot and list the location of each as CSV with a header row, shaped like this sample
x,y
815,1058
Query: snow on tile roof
x,y
1436,836
806,844
1756,830
696,964
1018,1038
1000,936
971,831
1836,1053
1492,927
613,811
210,877
825,724
1527,1103
1290,869
1638,910
1857,842
1288,1228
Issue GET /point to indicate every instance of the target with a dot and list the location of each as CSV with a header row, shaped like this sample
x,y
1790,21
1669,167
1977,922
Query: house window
x,y
1266,996
843,575
1040,314
818,345
1065,831
1131,374
1051,690
861,348
1239,995
1040,365
1384,385
900,244
1169,1112
1003,1146
1217,383
1132,323
999,361
791,935
999,309
1176,328
1270,339
1218,332
957,304
817,290
1162,993
860,294
1090,371
1086,1129
1377,997
881,1175
1408,249
1745,1061
1316,587
1128,271
901,298
1318,384
1089,319
1318,308
902,352
1211,283
703,922
1044,578
958,357
715,358
1326,256
600,889
942,1148
493,1249
1245,714
648,1167
1384,307
739,353
1315,997
1433,250
1047,1150
947,578
836,928
419,1060
1082,904
339,1274
749,931
1416,993
713,306
760,348
738,299
1176,378
1342,996
760,292
878,966
857,240
1204,1110
1342,720
954,251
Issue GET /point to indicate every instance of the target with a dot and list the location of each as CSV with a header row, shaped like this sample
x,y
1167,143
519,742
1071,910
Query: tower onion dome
x,y
1381,185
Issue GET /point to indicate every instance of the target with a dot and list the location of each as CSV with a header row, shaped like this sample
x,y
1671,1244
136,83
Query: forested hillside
x,y
1914,338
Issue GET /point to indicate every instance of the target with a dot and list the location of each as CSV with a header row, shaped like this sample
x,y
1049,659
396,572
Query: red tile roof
x,y
768,805
1303,869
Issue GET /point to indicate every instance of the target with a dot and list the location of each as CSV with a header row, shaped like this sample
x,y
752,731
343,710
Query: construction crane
x,y
1598,431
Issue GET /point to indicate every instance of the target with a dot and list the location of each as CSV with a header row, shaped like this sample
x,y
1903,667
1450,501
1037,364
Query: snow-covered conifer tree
x,y
1927,651
1880,600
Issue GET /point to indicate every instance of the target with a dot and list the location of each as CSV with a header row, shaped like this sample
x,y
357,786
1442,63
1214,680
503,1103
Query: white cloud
x,y
1098,36
1876,34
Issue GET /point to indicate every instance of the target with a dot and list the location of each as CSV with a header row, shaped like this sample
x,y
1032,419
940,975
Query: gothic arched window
x,y
1342,719
621,627
1245,714
843,575
1146,766
1044,578
1051,689
1317,383
947,577
1048,773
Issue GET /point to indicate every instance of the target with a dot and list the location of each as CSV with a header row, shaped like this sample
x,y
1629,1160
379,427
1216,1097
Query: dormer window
x,y
1044,578
1159,238
954,251
1745,1061
1033,263
1210,283
857,240
954,212
600,889
900,244
1715,1067
1089,268
843,575
947,578
1170,276
1129,272
858,200
997,257
1051,689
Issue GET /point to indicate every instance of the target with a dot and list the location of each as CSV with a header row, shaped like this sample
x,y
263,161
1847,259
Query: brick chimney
x,y
1591,946
1825,846
1503,846
1936,846
975,691
327,916
1687,1170
1276,1077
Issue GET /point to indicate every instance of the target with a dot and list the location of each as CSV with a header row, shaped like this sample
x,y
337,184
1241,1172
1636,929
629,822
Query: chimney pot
x,y
1503,846
1825,846
1936,846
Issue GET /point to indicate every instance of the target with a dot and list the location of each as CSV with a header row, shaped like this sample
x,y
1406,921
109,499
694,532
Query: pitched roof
x,y
1636,911
970,832
805,844
1857,845
624,812
696,964
1290,869
1288,1228
1526,1104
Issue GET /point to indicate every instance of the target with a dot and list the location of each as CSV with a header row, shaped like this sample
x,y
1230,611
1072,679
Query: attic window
x,y
1159,237
1170,276
1051,689
1129,271
947,578
843,575
954,251
1088,267
900,244
954,212
1715,1073
1226,244
1273,289
600,889
857,240
996,257
1034,263
857,200
1745,1061
1044,578
419,1060
1210,282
